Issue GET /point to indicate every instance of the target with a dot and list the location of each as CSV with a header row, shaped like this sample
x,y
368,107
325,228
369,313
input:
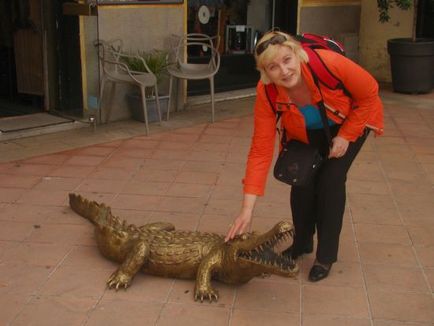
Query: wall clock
x,y
204,14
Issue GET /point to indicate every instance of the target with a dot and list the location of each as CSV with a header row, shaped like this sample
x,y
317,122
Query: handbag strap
x,y
320,104
325,122
322,111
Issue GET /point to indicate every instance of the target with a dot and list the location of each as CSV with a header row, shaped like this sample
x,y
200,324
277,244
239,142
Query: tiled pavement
x,y
188,172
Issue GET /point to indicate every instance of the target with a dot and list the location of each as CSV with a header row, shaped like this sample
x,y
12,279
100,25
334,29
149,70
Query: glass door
x,y
21,58
240,24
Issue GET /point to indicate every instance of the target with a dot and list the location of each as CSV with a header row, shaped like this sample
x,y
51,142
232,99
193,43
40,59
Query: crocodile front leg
x,y
203,289
129,268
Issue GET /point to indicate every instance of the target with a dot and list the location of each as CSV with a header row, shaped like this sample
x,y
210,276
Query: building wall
x,y
140,27
144,27
364,38
89,58
374,35
320,17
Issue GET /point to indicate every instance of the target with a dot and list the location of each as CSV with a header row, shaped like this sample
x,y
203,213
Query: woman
x,y
320,205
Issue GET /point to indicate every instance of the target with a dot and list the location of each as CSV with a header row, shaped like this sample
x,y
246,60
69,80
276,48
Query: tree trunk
x,y
413,33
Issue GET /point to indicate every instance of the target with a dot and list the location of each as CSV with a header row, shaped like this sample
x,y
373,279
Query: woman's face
x,y
284,69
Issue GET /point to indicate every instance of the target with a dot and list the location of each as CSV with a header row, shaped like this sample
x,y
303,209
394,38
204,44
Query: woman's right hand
x,y
240,224
243,220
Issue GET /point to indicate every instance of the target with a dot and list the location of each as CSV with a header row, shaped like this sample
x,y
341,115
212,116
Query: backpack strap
x,y
315,41
271,93
323,114
321,71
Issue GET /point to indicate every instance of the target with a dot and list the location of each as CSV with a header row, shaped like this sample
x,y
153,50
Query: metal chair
x,y
182,69
114,69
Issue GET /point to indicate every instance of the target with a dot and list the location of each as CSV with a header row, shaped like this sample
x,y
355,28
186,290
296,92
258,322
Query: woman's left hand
x,y
339,147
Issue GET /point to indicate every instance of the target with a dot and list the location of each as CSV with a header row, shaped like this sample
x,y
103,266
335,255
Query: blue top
x,y
312,117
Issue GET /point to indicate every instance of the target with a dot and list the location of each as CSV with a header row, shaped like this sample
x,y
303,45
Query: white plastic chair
x,y
181,69
116,71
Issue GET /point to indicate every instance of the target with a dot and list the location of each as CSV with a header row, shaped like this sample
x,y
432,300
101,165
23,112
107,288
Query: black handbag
x,y
298,162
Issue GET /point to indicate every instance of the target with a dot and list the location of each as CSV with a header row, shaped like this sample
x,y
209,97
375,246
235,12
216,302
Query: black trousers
x,y
320,205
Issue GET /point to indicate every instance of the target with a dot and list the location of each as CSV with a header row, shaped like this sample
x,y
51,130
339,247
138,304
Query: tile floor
x,y
188,172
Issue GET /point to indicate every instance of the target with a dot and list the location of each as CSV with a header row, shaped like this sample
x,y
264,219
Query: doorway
x,y
240,24
285,15
40,64
69,91
22,83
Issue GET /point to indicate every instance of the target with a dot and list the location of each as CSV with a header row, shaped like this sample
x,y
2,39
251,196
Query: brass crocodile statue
x,y
158,249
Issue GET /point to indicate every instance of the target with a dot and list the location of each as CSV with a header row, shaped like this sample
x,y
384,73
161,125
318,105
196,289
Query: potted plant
x,y
157,62
411,59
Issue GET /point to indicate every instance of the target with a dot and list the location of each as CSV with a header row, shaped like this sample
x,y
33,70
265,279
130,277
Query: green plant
x,y
385,5
156,61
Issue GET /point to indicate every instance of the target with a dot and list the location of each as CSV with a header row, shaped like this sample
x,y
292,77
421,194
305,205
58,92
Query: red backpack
x,y
318,68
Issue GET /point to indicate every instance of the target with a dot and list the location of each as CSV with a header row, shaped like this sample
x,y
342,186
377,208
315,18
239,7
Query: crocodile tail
x,y
91,210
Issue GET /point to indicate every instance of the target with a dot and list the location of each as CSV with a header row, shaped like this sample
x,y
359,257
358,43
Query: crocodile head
x,y
253,254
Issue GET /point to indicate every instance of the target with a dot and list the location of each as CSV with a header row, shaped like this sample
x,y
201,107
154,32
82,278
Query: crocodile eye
x,y
244,236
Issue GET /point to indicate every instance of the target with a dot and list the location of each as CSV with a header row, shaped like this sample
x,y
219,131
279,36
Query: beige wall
x,y
327,2
89,59
373,37
141,27
315,16
319,17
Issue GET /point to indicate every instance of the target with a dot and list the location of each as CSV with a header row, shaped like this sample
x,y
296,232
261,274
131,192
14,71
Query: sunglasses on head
x,y
276,39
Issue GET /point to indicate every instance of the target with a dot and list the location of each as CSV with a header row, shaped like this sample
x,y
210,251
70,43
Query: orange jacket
x,y
363,109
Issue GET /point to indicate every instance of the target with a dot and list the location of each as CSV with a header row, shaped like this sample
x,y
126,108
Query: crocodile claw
x,y
206,294
118,280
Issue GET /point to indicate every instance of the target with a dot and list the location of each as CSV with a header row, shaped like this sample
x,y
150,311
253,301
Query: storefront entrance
x,y
69,98
21,58
239,23
40,67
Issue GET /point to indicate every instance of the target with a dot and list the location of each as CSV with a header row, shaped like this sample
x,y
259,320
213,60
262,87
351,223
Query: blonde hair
x,y
271,50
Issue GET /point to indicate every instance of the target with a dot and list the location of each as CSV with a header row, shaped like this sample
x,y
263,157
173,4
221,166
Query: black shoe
x,y
319,272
